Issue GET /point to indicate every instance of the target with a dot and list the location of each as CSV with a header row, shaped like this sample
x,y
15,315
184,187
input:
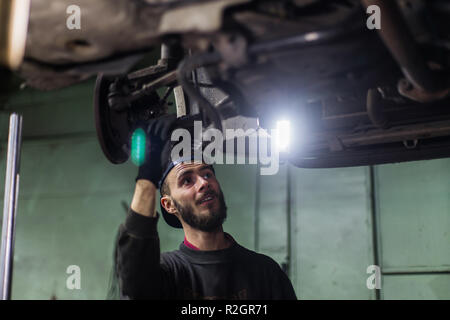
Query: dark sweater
x,y
232,273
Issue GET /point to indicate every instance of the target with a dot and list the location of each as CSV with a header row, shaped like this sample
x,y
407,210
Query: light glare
x,y
283,135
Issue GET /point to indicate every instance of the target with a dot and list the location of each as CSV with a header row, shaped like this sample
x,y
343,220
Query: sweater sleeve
x,y
286,290
137,254
282,288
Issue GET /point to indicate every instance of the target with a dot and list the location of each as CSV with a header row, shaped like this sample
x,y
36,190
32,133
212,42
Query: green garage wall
x,y
414,229
72,200
333,233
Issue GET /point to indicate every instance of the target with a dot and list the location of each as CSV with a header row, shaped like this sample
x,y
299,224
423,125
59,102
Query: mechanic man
x,y
209,264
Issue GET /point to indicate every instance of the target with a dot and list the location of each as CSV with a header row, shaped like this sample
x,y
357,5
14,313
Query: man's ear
x,y
167,203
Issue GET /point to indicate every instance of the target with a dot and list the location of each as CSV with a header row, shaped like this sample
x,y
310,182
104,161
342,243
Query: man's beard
x,y
204,223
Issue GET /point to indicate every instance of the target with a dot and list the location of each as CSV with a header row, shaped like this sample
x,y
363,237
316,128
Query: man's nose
x,y
202,183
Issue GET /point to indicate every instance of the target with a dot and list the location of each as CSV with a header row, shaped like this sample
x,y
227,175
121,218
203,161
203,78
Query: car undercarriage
x,y
354,95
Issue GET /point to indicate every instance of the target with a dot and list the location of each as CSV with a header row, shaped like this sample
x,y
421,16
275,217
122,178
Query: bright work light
x,y
283,138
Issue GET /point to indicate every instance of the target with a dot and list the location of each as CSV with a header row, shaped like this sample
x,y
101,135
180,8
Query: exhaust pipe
x,y
423,84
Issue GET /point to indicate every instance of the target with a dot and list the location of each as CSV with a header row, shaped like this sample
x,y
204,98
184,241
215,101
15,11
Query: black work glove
x,y
158,140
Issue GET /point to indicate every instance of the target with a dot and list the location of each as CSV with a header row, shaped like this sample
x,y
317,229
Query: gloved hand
x,y
158,138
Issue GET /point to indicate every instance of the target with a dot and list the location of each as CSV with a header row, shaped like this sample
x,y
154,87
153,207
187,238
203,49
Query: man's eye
x,y
186,181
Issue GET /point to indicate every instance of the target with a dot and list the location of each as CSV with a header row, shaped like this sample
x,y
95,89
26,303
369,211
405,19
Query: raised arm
x,y
138,269
144,198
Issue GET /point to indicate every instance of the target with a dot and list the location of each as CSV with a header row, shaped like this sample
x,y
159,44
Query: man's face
x,y
196,196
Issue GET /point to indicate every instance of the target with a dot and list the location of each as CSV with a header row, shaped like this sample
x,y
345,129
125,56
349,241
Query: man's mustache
x,y
207,194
